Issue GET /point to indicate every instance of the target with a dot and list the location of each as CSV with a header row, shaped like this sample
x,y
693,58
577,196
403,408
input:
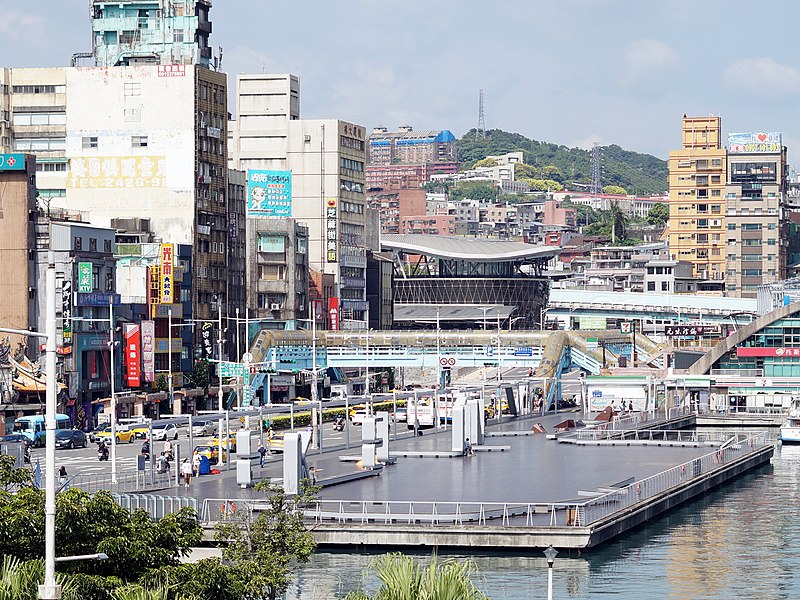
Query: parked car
x,y
165,431
202,428
210,452
70,438
104,434
401,416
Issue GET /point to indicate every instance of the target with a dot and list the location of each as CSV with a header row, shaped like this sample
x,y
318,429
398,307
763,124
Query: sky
x,y
571,72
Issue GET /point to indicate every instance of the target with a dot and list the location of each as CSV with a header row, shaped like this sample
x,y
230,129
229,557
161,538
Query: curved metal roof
x,y
464,248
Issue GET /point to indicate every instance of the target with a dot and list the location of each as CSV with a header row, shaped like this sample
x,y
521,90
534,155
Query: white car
x,y
165,431
358,417
202,428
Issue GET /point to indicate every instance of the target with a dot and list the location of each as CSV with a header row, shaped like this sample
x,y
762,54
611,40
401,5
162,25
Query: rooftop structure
x,y
407,146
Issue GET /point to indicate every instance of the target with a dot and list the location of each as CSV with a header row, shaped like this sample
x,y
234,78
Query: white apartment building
x,y
326,158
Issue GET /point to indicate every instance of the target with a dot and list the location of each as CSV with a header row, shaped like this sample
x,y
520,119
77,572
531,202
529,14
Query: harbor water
x,y
741,541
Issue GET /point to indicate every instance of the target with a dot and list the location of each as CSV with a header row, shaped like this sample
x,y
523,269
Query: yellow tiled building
x,y
697,174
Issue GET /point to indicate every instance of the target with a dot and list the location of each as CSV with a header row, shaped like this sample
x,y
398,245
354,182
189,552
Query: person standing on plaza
x,y
196,464
62,478
261,452
167,449
186,471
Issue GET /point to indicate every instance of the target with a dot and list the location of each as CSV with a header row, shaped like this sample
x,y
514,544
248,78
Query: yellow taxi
x,y
231,441
140,430
355,408
104,434
211,453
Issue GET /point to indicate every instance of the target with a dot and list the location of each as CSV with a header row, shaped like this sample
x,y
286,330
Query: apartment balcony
x,y
272,287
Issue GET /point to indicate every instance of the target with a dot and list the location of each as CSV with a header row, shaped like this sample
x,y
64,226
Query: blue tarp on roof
x,y
445,136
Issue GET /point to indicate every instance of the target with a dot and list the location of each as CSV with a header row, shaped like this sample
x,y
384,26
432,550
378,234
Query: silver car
x,y
203,428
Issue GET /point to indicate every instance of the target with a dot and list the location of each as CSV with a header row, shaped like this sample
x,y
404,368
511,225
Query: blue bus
x,y
33,427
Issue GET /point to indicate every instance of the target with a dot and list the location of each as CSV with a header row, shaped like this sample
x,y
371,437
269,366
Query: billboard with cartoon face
x,y
269,193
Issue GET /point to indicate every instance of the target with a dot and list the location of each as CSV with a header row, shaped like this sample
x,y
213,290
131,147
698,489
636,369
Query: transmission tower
x,y
597,185
480,131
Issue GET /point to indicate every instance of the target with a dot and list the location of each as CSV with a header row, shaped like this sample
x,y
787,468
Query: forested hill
x,y
637,173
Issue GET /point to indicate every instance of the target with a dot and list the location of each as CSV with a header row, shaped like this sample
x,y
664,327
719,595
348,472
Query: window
x,y
751,272
353,165
139,141
702,238
272,272
132,115
715,208
664,286
771,225
50,167
89,143
751,226
39,144
133,89
702,223
651,286
92,244
40,118
731,226
40,89
302,245
107,246
716,193
751,257
177,36
77,243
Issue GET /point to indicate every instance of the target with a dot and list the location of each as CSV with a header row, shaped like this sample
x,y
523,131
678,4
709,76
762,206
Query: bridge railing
x,y
156,506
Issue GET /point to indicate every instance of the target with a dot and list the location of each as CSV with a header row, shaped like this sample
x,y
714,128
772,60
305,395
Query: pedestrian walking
x,y
196,464
261,452
468,451
167,449
62,478
186,471
269,440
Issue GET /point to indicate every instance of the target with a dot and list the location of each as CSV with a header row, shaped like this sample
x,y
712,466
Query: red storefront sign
x,y
779,352
333,314
133,340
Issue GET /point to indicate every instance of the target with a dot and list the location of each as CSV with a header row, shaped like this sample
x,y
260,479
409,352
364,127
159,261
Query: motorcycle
x,y
102,452
146,450
338,424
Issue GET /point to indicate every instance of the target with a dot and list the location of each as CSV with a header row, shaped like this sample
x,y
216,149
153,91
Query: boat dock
x,y
573,492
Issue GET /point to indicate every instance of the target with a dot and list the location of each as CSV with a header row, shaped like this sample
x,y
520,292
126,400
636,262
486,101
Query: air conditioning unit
x,y
274,306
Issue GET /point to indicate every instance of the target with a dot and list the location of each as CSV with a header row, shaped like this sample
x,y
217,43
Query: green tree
x,y
543,185
20,580
161,384
523,171
552,172
473,190
586,214
200,375
485,162
402,578
615,189
264,550
12,477
612,224
658,214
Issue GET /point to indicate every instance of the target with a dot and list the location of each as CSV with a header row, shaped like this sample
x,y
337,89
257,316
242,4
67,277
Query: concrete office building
x,y
326,159
755,197
697,213
17,240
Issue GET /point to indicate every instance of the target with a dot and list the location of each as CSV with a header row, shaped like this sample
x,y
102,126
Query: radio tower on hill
x,y
480,131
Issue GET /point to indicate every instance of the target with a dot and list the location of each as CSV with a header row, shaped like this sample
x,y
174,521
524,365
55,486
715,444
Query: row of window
x,y
40,89
751,226
352,207
39,144
40,118
351,186
353,165
77,244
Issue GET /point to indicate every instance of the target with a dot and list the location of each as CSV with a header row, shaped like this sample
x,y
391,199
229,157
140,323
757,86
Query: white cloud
x,y
17,24
645,56
588,142
760,75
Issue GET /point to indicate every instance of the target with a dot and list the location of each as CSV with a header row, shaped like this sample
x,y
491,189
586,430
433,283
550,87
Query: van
x,y
33,427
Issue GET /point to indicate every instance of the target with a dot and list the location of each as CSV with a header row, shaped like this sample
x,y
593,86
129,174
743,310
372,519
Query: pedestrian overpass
x,y
548,353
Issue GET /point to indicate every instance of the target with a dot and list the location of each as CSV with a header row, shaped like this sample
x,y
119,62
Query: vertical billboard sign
x,y
148,351
333,314
132,354
269,193
85,278
207,333
167,263
66,312
331,232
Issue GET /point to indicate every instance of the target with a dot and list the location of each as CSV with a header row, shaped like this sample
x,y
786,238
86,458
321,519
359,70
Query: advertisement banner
x,y
132,343
84,277
331,230
66,312
333,314
167,263
120,172
774,352
149,351
269,193
207,334
12,162
751,143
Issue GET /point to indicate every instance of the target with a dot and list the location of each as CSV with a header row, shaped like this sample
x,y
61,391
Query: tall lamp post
x,y
550,554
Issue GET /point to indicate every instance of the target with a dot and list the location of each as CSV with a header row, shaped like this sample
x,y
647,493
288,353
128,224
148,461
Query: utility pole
x,y
219,377
169,354
113,392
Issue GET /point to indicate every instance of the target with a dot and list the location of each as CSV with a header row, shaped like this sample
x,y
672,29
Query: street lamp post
x,y
550,554
113,392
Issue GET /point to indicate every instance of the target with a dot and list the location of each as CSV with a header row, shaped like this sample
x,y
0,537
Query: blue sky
x,y
570,72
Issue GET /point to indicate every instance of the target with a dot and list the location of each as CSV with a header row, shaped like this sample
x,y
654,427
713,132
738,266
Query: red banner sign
x,y
333,314
780,352
133,340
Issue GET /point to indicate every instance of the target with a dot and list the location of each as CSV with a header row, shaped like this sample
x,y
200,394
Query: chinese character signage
x,y
12,162
132,356
172,70
167,263
66,312
691,330
773,352
104,172
331,231
148,350
85,277
207,333
333,314
269,193
750,143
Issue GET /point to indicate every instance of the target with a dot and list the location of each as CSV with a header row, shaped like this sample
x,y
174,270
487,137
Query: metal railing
x,y
661,435
156,506
137,481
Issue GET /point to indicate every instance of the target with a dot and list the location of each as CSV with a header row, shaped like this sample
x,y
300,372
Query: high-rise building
x,y
166,32
697,228
410,147
322,162
755,197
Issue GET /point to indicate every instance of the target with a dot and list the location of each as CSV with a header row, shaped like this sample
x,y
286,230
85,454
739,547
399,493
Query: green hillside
x,y
637,173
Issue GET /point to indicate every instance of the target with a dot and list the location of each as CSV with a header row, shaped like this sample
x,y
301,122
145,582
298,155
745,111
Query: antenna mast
x,y
597,186
480,131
